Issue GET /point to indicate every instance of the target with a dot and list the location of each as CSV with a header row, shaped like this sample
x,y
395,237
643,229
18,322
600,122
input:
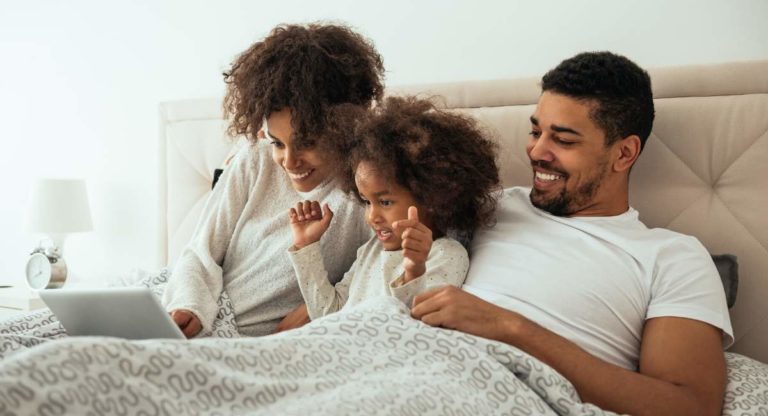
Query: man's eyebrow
x,y
561,129
555,127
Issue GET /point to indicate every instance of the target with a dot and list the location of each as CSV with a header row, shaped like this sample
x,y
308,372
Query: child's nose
x,y
373,215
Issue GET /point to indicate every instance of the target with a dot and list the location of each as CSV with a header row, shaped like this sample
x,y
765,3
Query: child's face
x,y
385,203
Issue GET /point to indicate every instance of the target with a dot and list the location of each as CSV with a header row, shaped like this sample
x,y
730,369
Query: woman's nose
x,y
292,159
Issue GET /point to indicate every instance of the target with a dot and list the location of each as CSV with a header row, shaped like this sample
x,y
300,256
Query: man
x,y
635,318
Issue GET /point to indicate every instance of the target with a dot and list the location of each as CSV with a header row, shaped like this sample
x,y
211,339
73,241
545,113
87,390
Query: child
x,y
421,173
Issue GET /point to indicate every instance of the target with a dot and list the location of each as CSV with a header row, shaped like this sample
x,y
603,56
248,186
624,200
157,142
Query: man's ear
x,y
626,150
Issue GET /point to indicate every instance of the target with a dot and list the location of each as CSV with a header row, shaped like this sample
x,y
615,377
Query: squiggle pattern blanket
x,y
373,359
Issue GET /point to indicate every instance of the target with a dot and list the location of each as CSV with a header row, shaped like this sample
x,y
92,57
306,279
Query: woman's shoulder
x,y
261,154
341,201
254,160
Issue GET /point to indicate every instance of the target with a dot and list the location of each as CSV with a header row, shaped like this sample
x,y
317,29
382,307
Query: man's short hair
x,y
620,88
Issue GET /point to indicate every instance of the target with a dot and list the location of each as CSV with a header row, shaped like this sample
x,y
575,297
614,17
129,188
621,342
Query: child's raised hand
x,y
308,224
417,241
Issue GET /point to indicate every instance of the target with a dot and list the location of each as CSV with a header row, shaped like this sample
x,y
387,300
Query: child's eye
x,y
365,201
535,134
385,202
277,144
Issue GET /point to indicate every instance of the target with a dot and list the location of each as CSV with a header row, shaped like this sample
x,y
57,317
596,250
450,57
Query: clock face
x,y
38,271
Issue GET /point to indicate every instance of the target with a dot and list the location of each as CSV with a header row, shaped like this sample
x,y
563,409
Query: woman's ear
x,y
626,150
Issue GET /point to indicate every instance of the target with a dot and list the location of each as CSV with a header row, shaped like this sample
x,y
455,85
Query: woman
x,y
287,93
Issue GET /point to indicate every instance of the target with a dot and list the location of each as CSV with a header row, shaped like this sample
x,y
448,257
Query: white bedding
x,y
372,359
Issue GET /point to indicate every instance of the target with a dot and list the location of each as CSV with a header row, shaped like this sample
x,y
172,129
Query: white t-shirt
x,y
594,280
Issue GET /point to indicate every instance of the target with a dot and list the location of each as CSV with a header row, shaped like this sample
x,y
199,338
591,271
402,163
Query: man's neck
x,y
602,210
611,199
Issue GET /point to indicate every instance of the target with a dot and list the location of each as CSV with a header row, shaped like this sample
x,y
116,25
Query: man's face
x,y
568,155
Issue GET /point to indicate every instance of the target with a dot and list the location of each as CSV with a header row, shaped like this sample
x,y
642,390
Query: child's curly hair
x,y
308,68
443,158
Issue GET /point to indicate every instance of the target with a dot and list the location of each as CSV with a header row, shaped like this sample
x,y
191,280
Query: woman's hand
x,y
416,242
187,321
295,319
308,224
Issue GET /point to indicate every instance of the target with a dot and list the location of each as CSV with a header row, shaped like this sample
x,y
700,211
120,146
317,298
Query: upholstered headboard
x,y
704,170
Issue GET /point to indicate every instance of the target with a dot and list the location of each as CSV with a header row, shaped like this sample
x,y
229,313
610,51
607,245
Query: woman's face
x,y
306,167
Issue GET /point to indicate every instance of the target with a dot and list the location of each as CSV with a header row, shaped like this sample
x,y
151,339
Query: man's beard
x,y
566,203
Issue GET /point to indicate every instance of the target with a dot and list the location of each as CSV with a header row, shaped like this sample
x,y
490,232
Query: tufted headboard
x,y
703,172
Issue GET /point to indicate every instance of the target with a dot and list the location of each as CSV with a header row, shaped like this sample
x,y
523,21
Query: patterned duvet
x,y
372,359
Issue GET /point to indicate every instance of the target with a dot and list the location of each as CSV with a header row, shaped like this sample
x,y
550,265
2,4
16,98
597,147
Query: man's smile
x,y
547,177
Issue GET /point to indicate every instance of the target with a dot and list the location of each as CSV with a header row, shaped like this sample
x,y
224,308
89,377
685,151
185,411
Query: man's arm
x,y
682,366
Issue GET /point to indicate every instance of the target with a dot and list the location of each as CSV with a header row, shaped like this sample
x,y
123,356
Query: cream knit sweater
x,y
240,245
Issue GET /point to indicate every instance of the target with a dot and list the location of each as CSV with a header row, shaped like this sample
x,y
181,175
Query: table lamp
x,y
57,208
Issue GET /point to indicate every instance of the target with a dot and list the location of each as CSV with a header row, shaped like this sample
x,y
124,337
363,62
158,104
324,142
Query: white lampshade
x,y
59,206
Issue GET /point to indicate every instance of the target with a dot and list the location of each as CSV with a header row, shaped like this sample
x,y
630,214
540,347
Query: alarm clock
x,y
46,269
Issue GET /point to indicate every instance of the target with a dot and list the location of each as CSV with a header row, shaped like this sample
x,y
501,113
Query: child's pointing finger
x,y
413,213
412,221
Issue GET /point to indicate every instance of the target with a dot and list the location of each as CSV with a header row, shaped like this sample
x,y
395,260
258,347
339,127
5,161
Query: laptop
x,y
131,313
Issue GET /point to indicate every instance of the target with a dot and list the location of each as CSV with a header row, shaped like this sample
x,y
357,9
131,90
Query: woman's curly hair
x,y
308,68
444,159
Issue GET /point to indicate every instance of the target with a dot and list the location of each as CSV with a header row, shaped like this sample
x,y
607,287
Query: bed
x,y
702,173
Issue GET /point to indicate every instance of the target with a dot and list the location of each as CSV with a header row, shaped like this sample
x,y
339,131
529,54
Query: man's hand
x,y
295,319
187,321
308,224
453,308
417,241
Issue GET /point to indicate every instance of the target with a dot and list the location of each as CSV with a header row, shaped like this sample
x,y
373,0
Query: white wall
x,y
80,81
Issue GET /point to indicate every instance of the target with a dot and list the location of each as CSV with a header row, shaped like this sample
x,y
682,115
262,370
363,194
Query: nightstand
x,y
8,313
18,300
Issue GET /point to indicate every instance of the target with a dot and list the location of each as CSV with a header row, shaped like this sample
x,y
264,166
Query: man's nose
x,y
540,150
